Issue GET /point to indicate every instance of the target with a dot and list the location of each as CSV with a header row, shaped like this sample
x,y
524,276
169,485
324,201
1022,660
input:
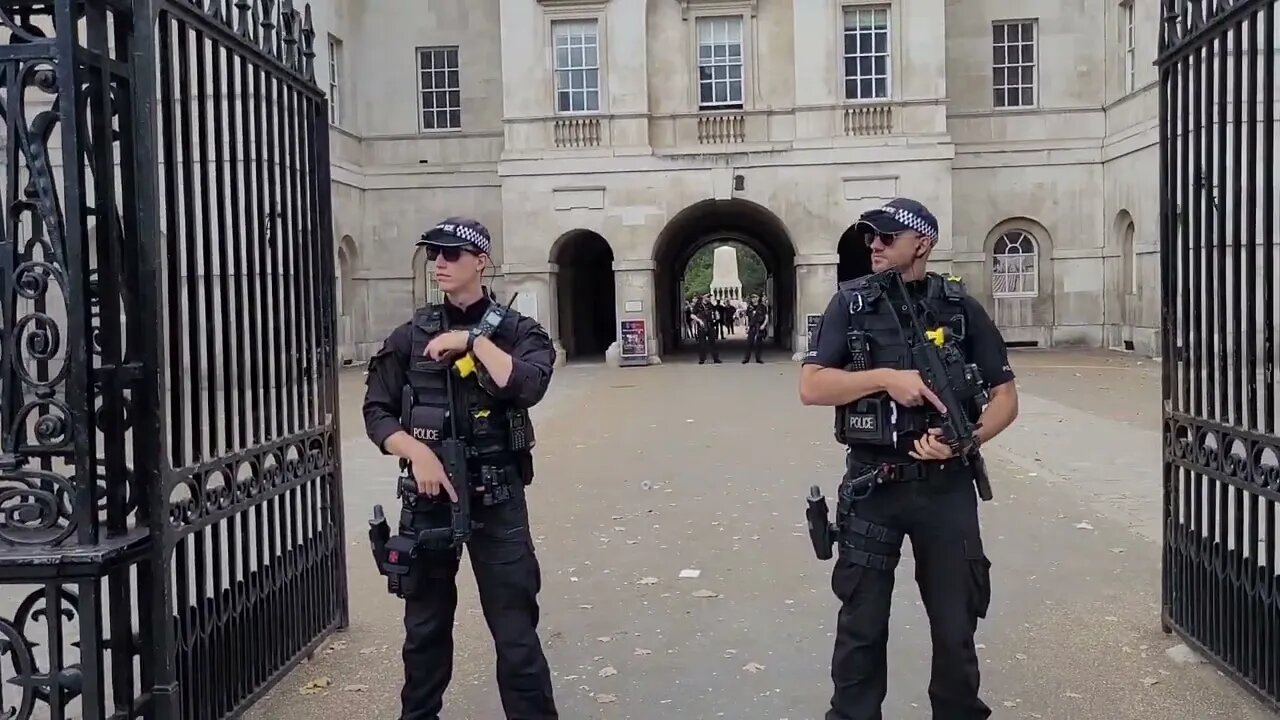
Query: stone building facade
x,y
604,141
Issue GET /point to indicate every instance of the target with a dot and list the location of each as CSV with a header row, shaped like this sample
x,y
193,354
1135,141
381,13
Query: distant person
x,y
757,318
706,316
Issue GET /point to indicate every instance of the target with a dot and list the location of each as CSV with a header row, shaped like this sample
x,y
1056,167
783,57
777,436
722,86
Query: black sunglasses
x,y
451,254
886,239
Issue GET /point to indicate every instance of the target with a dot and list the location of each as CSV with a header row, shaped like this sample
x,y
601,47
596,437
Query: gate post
x,y
77,393
171,525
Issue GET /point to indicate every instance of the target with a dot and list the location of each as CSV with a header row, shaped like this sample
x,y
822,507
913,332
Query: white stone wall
x,y
1072,171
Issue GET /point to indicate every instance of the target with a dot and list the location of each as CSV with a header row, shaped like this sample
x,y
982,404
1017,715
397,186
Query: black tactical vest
x,y
484,424
875,425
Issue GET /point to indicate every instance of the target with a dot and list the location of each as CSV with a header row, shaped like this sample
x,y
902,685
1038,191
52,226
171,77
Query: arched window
x,y
1015,270
1131,256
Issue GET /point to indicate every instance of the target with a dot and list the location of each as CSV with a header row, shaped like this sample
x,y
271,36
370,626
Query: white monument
x,y
725,284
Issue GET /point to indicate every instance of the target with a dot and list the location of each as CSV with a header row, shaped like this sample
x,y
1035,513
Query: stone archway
x,y
585,293
712,221
855,256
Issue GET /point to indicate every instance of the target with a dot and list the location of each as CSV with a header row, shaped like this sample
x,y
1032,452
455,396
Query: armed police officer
x,y
449,394
903,477
757,317
707,319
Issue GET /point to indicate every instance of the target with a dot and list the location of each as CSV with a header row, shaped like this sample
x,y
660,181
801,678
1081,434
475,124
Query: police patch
x,y
864,423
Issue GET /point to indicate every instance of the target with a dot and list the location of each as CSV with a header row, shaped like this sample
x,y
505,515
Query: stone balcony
x,y
711,132
570,135
868,120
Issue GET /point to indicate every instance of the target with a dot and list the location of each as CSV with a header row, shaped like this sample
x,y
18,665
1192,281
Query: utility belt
x,y
490,482
865,472
877,420
426,529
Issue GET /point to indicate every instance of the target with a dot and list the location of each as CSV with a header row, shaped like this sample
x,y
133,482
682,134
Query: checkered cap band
x,y
911,220
475,236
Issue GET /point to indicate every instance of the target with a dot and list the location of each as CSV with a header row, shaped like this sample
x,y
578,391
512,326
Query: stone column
x,y
536,283
635,294
815,284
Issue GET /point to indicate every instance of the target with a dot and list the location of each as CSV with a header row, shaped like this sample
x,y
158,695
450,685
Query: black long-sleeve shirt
x,y
532,359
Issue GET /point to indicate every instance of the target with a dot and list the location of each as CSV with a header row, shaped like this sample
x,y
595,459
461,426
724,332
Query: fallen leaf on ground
x,y
606,698
314,686
642,651
608,671
1084,526
705,594
753,667
647,581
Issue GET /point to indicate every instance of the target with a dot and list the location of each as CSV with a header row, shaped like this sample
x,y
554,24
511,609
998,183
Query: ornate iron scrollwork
x,y
37,436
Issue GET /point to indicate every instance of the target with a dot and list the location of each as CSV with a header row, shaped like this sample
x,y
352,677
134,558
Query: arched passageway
x,y
719,222
585,293
855,256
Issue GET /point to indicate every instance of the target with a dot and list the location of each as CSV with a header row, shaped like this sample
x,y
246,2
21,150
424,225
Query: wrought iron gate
x,y
1219,272
171,537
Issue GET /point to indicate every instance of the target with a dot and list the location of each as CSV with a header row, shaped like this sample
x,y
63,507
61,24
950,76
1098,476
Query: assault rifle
x,y
945,372
453,456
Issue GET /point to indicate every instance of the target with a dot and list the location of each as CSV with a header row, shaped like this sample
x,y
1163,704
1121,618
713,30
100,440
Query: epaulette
x,y
950,287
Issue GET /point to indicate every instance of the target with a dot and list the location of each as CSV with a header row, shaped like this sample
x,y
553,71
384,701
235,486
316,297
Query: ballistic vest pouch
x,y
426,424
868,421
495,487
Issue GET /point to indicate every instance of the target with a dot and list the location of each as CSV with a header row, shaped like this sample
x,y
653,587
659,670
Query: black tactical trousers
x,y
508,579
755,341
953,573
707,341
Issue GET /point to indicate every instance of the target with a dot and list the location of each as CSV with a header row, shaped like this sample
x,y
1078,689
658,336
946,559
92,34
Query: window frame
x,y
842,78
1034,271
744,14
1034,23
1129,45
601,92
421,91
336,58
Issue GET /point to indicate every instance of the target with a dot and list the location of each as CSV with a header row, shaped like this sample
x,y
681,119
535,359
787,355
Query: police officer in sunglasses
x,y
472,367
900,479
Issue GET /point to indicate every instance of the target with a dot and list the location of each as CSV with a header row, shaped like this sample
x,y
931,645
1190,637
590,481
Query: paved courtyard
x,y
644,473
